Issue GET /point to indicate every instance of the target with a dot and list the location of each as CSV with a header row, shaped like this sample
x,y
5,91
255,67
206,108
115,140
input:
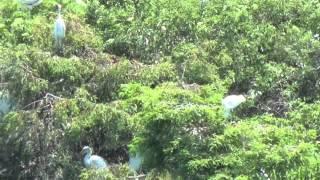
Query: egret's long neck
x,y
59,11
88,154
86,159
227,113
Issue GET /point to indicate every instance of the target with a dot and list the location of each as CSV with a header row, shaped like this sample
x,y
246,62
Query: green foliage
x,y
67,73
82,40
147,29
193,65
109,80
158,175
268,144
100,125
148,76
174,127
18,66
307,115
96,174
157,73
32,144
115,172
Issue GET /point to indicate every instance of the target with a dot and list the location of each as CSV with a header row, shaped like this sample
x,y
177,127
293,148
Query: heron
x,y
92,161
135,161
230,102
59,30
5,103
30,3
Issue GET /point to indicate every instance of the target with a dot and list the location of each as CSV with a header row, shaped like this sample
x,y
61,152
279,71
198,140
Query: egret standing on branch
x,y
231,102
30,3
92,161
59,31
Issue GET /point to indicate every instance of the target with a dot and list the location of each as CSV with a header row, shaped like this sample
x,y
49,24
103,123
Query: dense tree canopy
x,y
148,77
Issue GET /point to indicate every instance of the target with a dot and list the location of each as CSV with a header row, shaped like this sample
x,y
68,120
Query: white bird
x,y
135,161
5,103
92,161
30,3
230,102
59,30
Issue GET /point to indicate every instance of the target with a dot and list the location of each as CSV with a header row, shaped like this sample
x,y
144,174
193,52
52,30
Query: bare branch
x,y
39,101
136,177
53,96
32,103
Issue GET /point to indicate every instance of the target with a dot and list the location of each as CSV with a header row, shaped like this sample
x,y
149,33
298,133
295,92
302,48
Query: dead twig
x,y
41,101
136,177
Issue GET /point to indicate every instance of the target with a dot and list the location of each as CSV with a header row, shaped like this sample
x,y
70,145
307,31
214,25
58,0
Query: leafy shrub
x,y
186,56
193,65
32,143
81,39
23,67
183,151
306,115
100,122
157,74
268,145
67,73
173,127
108,81
96,174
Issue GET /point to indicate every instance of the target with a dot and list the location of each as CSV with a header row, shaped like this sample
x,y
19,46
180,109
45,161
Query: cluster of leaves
x,y
148,76
189,137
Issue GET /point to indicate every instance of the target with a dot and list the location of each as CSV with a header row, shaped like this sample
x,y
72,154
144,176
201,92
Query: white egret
x,y
92,161
5,103
135,161
230,102
59,30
